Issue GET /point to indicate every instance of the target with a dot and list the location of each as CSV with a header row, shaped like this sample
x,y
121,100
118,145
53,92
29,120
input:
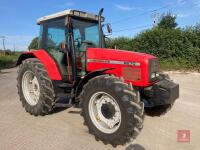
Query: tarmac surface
x,y
64,129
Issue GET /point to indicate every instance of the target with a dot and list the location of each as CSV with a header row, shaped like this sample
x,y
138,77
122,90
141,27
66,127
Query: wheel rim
x,y
30,88
105,112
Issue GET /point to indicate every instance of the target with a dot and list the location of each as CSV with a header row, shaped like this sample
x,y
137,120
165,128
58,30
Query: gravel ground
x,y
64,130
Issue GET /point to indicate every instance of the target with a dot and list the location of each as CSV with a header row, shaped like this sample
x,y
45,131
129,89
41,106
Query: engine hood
x,y
118,55
134,67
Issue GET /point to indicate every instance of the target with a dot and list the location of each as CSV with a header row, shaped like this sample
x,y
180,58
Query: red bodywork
x,y
47,61
98,58
120,62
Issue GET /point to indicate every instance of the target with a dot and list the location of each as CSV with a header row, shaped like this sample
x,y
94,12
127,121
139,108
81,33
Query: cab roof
x,y
69,12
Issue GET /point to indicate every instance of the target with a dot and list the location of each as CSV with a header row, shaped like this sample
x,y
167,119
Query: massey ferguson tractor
x,y
115,88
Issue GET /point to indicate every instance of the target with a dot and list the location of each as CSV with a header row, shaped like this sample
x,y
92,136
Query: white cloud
x,y
67,4
182,15
197,3
126,8
181,2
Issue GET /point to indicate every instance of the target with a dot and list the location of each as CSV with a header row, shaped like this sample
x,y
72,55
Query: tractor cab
x,y
67,35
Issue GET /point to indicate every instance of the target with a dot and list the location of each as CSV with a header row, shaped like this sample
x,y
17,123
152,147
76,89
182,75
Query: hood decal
x,y
116,62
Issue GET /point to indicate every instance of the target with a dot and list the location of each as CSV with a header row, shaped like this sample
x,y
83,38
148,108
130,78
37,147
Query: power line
x,y
155,15
127,18
155,18
149,11
133,28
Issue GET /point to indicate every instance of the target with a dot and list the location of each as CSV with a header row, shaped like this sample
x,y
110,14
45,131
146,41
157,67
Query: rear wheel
x,y
112,110
35,88
30,88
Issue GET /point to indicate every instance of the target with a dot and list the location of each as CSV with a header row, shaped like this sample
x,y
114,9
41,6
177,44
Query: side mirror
x,y
109,29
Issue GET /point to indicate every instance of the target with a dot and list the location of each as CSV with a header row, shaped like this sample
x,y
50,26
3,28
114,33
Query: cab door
x,y
55,34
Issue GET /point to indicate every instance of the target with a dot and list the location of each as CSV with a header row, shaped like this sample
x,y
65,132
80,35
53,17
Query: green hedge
x,y
176,48
8,61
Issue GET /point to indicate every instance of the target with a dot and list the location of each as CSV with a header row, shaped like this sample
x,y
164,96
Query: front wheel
x,y
111,110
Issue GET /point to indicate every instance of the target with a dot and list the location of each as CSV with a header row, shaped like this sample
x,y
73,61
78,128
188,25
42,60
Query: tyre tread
x,y
134,110
48,95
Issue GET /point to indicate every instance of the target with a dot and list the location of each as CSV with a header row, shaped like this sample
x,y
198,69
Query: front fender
x,y
88,77
48,62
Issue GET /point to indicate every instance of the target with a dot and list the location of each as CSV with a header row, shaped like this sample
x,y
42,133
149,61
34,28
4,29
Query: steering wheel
x,y
89,43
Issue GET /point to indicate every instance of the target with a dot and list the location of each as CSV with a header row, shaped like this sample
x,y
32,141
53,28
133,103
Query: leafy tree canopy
x,y
168,21
34,44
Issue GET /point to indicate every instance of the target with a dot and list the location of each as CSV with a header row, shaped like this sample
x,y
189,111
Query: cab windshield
x,y
85,32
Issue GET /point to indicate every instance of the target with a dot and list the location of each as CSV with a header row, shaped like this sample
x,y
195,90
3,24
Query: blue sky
x,y
18,17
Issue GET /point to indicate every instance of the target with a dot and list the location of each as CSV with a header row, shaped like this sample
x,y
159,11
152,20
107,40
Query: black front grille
x,y
154,67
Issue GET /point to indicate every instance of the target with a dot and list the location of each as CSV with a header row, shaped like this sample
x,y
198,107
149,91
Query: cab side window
x,y
55,34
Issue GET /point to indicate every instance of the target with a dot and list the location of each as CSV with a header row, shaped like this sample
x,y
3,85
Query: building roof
x,y
70,12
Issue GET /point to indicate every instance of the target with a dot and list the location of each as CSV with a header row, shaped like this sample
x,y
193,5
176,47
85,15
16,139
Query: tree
x,y
34,44
168,21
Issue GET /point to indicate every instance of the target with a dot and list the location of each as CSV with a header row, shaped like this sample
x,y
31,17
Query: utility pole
x,y
155,18
3,43
14,47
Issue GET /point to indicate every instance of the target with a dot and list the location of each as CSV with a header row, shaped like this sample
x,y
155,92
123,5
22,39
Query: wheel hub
x,y
108,110
104,112
30,88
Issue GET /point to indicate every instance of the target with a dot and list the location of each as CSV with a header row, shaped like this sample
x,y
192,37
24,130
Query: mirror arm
x,y
100,28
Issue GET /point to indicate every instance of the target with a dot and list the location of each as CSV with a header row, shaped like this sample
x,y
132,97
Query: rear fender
x,y
48,62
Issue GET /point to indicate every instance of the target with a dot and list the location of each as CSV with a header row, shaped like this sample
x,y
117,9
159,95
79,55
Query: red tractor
x,y
115,88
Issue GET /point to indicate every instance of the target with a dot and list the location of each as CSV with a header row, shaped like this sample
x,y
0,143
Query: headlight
x,y
154,69
154,75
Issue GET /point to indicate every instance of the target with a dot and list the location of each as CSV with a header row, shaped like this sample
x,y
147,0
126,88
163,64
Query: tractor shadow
x,y
57,110
135,147
74,112
157,111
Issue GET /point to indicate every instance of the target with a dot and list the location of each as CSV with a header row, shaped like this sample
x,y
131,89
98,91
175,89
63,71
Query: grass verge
x,y
180,64
8,61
